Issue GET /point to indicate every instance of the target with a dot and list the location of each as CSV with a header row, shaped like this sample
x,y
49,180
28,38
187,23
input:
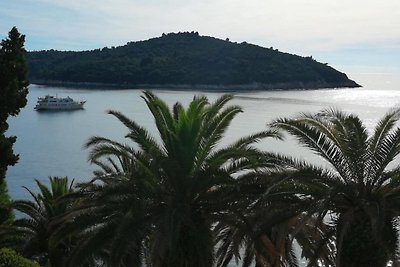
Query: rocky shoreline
x,y
205,87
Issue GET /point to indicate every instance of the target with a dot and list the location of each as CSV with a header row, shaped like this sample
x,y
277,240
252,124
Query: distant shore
x,y
205,87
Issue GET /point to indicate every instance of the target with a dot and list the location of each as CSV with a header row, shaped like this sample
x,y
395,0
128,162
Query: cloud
x,y
303,26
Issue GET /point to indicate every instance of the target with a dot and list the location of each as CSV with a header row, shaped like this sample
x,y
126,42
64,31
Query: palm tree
x,y
31,234
156,201
267,220
360,189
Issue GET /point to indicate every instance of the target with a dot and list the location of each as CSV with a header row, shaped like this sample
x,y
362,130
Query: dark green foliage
x,y
13,76
265,215
13,91
31,234
360,190
360,246
5,215
184,59
9,258
156,202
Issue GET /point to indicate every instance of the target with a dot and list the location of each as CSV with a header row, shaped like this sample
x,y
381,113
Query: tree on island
x,y
13,91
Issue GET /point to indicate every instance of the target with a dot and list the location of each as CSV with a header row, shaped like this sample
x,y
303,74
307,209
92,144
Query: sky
x,y
338,32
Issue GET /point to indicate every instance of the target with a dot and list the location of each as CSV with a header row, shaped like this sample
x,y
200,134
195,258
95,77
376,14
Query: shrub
x,y
10,258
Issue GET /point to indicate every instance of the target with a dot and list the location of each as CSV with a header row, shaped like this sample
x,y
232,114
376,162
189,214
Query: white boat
x,y
50,102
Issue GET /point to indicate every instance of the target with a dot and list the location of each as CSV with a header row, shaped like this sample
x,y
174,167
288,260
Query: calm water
x,y
51,143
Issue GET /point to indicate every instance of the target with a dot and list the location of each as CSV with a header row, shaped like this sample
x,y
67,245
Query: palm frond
x,y
317,140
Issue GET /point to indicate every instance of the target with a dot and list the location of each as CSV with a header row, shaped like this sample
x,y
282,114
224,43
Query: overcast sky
x,y
340,32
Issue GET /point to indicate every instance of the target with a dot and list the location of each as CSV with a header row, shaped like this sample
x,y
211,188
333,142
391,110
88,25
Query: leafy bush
x,y
10,258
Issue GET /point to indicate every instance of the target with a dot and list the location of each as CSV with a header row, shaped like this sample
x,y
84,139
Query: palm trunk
x,y
360,247
194,247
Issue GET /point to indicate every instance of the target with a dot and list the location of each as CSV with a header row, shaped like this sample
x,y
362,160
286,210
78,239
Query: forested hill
x,y
184,60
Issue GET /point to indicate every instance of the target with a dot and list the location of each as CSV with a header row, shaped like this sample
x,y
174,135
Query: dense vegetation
x,y
182,199
9,258
184,59
13,91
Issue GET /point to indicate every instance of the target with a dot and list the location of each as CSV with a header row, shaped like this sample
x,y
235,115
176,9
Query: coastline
x,y
206,87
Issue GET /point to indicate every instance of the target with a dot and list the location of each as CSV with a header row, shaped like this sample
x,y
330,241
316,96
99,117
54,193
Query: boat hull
x,y
59,107
50,102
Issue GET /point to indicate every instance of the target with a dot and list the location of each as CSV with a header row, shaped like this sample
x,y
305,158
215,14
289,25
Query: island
x,y
183,61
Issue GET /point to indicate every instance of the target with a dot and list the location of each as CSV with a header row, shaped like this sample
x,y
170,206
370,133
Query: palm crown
x,y
30,235
360,190
155,202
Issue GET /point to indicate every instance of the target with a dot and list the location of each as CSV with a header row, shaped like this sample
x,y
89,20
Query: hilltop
x,y
184,60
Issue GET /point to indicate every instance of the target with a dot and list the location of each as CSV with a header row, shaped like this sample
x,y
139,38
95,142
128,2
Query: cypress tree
x,y
13,92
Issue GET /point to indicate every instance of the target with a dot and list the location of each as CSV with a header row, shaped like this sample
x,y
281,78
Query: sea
x,y
52,143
